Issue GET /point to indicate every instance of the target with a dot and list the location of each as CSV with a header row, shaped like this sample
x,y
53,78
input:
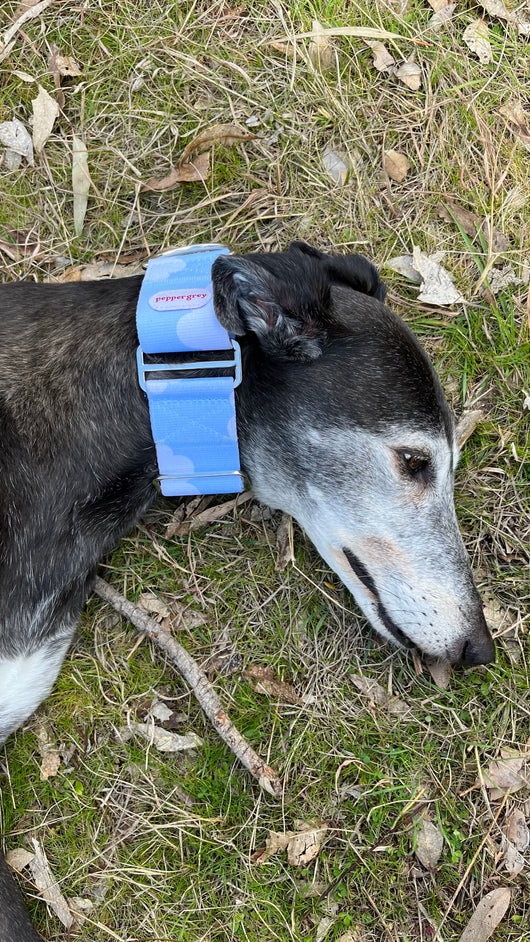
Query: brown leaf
x,y
514,112
226,134
377,693
48,886
305,844
383,60
150,603
476,38
440,672
410,74
507,775
262,679
516,840
396,165
518,18
284,543
194,171
184,521
80,182
64,66
467,424
471,223
429,844
45,111
321,50
487,916
51,762
285,49
98,271
275,842
437,4
18,858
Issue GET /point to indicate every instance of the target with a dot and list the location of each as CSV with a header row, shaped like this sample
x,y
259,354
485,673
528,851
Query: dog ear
x,y
355,271
282,302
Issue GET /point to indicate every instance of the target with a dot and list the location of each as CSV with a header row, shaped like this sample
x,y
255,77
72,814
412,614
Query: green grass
x,y
163,845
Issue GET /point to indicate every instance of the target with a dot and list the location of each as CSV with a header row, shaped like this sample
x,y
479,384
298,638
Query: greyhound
x,y
342,423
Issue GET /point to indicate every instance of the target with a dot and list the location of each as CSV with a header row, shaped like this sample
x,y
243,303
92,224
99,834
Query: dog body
x,y
341,423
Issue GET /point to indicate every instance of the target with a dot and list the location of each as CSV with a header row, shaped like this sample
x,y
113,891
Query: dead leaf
x,y
440,672
325,924
429,844
194,171
514,112
80,182
180,525
45,111
518,18
275,842
284,543
476,38
226,134
65,66
402,264
487,916
98,271
163,739
149,602
51,762
437,4
442,16
437,286
507,775
467,424
305,844
14,136
337,167
321,50
516,840
370,688
80,908
18,858
410,74
383,60
501,278
396,165
285,49
262,679
471,224
48,886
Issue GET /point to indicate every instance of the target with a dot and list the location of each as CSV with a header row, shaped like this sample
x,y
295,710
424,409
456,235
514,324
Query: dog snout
x,y
476,651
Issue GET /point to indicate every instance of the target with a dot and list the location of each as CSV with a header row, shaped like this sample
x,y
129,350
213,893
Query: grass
x,y
161,845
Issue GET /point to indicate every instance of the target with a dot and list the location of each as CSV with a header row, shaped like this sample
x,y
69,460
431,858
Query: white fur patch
x,y
25,681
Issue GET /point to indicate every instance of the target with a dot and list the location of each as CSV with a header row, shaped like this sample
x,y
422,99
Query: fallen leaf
x,y
80,182
24,76
437,4
402,264
149,602
321,50
284,543
429,844
487,916
275,842
98,271
440,672
383,60
51,762
18,858
507,775
45,111
467,424
285,49
336,166
476,38
323,927
14,136
181,526
262,679
396,165
516,840
163,739
437,286
370,688
471,224
305,844
65,66
159,711
516,115
80,908
48,886
442,16
410,74
226,134
498,9
501,278
193,171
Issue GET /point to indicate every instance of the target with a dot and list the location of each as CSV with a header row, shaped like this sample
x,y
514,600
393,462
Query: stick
x,y
199,683
467,424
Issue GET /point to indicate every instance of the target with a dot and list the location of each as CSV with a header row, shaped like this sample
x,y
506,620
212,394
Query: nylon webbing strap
x,y
193,420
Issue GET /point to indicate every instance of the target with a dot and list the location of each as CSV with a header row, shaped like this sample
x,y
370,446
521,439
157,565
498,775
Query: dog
x,y
341,420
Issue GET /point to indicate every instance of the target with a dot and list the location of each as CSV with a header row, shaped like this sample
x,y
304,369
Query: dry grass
x,y
163,846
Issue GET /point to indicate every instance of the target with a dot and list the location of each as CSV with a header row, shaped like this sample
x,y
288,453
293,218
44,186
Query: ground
x,y
162,845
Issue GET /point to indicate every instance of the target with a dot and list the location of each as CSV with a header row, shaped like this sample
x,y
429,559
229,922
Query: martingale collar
x,y
193,420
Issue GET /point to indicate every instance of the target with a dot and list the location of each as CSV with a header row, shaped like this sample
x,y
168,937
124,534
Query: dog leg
x,y
25,680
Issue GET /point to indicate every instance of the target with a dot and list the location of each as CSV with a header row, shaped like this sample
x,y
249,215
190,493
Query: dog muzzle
x,y
193,419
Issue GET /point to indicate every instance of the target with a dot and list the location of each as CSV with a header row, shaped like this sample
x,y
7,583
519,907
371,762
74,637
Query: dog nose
x,y
478,651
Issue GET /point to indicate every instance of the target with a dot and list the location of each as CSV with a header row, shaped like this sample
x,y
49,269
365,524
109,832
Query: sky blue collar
x,y
193,420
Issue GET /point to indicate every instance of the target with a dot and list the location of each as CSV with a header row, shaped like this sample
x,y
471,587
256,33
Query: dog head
x,y
343,423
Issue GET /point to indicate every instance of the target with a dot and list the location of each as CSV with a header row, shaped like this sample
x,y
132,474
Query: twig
x,y
467,424
199,683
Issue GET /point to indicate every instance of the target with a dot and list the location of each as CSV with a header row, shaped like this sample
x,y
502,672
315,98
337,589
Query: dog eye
x,y
413,462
